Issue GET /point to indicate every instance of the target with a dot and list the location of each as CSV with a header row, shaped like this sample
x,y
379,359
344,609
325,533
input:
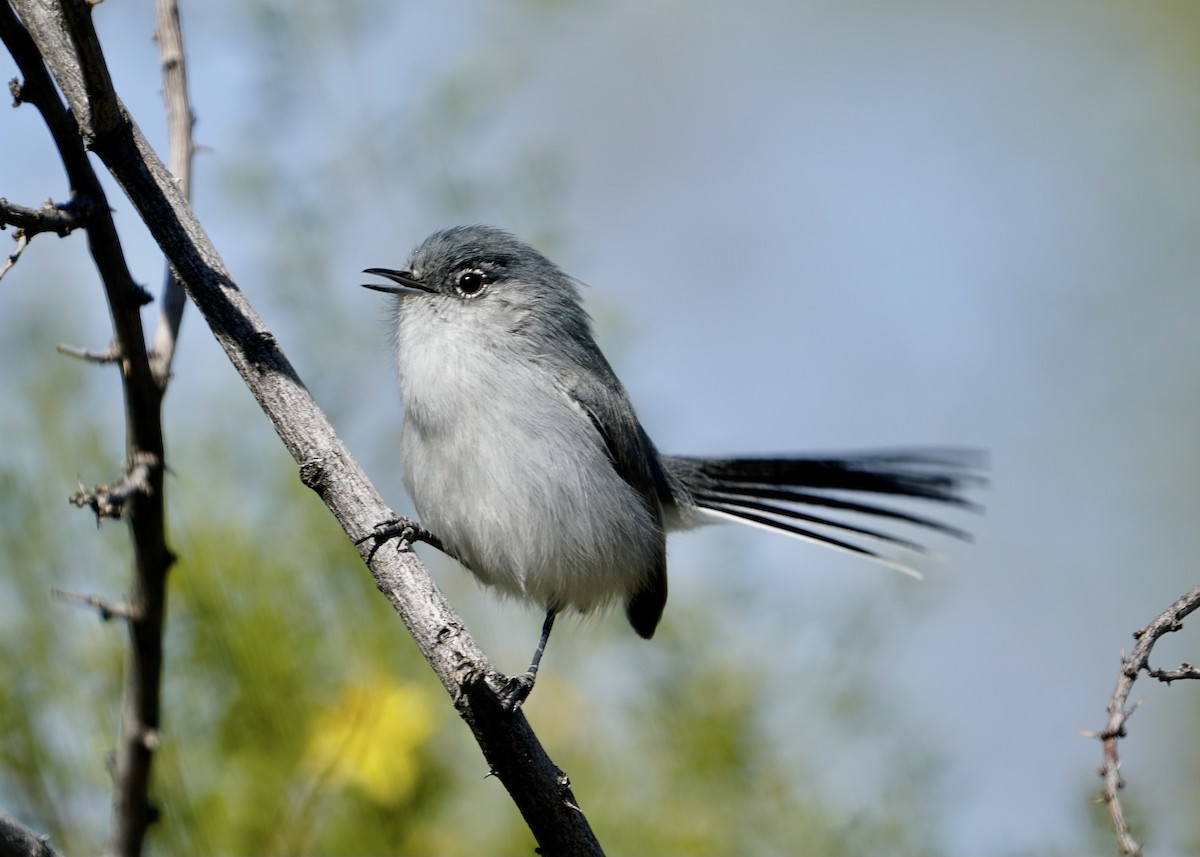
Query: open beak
x,y
406,283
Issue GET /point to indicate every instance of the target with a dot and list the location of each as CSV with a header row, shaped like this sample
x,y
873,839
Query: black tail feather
x,y
802,532
735,505
763,491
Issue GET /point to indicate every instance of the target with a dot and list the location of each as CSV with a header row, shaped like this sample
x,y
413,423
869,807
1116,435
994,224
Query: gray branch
x,y
60,219
1119,710
540,790
180,122
16,840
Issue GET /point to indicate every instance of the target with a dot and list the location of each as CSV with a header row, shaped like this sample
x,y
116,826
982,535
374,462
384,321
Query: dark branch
x,y
1168,621
16,840
60,219
538,787
74,56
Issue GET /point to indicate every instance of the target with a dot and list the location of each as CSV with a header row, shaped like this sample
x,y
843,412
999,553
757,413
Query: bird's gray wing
x,y
599,394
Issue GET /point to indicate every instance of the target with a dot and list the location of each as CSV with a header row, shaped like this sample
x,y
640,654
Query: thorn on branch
x,y
1185,671
22,241
107,609
108,501
142,294
111,354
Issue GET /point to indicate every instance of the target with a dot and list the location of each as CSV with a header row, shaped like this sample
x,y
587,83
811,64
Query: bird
x,y
526,462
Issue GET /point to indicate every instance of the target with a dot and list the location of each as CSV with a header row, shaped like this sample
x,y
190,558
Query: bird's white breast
x,y
509,472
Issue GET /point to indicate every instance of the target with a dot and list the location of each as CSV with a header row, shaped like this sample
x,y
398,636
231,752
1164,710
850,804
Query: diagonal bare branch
x,y
540,790
16,840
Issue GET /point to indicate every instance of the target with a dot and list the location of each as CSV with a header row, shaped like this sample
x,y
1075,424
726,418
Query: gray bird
x,y
524,458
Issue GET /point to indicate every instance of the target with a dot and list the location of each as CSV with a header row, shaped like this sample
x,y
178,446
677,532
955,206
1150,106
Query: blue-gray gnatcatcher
x,y
524,457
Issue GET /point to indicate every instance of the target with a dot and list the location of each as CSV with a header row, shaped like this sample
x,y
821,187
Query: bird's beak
x,y
407,284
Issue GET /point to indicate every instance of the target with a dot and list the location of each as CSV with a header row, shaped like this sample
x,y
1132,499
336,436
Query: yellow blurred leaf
x,y
369,739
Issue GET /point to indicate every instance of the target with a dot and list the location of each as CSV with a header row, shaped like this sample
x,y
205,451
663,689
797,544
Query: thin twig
x,y
1182,673
107,609
111,354
21,241
1168,621
180,121
60,219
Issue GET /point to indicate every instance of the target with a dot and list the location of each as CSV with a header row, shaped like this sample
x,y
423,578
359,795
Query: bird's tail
x,y
810,497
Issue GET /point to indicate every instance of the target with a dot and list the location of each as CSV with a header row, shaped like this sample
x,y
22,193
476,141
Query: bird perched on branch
x,y
525,459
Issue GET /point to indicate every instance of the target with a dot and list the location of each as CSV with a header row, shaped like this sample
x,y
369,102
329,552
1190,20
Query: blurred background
x,y
804,227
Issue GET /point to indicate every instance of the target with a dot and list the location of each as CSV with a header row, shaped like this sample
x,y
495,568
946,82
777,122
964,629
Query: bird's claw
x,y
516,690
407,530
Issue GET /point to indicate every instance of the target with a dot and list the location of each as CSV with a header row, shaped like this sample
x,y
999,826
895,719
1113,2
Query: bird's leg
x,y
403,528
519,686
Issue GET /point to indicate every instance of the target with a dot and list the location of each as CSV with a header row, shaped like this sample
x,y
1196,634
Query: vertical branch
x,y
180,121
80,64
540,790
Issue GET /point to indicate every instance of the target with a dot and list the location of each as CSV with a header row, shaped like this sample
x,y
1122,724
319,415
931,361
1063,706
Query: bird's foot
x,y
407,530
516,690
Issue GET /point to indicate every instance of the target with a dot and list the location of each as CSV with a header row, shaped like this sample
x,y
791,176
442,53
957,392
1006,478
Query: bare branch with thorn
x,y
1119,711
60,218
1183,672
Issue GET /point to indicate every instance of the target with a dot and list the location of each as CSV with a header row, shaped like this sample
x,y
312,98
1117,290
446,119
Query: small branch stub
x,y
107,609
108,501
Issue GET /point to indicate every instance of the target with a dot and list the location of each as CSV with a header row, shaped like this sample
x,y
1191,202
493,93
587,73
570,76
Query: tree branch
x,y
60,219
111,354
109,501
16,840
1168,621
180,122
78,63
1185,671
540,790
107,609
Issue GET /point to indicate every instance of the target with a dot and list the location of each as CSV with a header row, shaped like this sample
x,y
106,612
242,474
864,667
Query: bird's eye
x,y
472,282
